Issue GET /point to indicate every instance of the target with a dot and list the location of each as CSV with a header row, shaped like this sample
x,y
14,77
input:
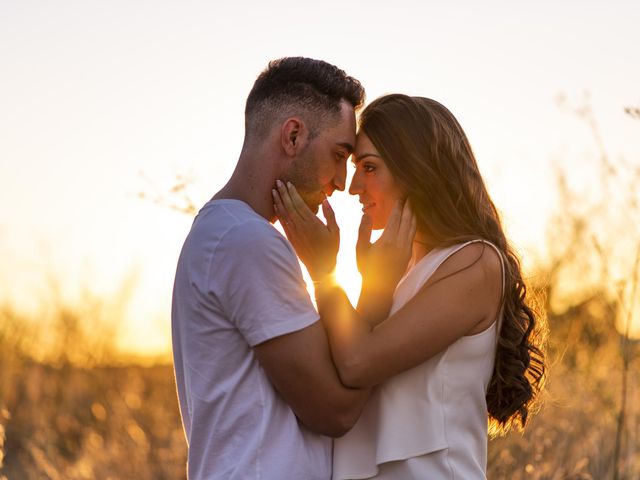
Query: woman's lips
x,y
367,206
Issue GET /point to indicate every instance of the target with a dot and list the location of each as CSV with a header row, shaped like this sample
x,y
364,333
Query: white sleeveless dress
x,y
429,422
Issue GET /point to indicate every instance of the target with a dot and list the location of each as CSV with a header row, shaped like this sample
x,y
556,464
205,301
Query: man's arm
x,y
300,367
266,299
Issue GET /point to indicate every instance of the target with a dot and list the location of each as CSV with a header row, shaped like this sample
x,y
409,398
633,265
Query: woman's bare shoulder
x,y
474,259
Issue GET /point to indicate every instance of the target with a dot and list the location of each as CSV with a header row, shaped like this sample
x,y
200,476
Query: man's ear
x,y
293,136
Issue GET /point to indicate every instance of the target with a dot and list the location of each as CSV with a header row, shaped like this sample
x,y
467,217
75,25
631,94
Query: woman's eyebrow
x,y
357,158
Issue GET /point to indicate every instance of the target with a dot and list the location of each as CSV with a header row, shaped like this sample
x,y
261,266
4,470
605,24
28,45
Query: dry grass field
x,y
60,420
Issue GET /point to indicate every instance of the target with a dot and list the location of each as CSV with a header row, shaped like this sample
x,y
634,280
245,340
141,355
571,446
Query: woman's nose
x,y
356,184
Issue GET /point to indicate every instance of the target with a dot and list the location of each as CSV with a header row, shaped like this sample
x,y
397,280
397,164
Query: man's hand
x,y
315,243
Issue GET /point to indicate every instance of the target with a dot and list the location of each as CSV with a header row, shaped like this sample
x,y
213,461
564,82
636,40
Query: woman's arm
x,y
464,302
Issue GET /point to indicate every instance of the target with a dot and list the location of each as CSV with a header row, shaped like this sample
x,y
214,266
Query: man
x,y
259,394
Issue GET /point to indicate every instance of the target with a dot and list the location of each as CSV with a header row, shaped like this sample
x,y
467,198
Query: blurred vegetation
x,y
72,408
589,424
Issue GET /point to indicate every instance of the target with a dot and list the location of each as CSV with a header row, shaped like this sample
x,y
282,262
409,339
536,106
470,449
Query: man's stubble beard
x,y
303,174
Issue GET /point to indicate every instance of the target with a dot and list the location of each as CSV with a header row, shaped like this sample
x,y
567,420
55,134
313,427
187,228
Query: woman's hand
x,y
386,260
315,243
383,263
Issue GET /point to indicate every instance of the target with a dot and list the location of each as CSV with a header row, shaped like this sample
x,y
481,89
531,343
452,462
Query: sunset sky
x,y
102,100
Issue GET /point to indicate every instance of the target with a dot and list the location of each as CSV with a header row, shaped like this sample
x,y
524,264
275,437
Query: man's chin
x,y
312,203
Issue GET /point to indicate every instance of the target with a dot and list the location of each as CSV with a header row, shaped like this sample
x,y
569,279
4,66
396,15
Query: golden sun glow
x,y
99,108
349,278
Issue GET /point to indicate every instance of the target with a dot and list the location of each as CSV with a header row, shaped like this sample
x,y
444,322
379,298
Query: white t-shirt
x,y
238,283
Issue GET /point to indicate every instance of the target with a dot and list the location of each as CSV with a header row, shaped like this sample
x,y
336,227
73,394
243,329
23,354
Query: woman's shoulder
x,y
469,259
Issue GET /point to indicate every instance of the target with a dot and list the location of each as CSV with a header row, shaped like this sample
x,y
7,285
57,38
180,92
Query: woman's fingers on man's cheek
x,y
298,203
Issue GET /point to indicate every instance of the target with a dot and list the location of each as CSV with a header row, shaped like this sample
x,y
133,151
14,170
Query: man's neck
x,y
252,183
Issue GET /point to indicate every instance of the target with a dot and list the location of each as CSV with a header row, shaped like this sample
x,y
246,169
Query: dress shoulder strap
x,y
455,248
443,254
422,271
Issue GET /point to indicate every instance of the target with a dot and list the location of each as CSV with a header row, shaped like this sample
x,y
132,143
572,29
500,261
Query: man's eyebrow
x,y
346,145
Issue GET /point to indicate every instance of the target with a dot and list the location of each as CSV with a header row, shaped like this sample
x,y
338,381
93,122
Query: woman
x,y
456,343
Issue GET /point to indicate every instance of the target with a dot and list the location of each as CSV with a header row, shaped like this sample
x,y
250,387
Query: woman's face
x,y
373,183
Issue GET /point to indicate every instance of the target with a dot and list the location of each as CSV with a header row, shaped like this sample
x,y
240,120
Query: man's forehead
x,y
348,120
342,134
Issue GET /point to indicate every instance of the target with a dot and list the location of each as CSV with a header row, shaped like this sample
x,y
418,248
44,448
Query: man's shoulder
x,y
236,226
233,218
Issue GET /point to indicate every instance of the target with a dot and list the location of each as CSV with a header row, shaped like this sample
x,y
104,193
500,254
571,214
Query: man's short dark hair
x,y
301,86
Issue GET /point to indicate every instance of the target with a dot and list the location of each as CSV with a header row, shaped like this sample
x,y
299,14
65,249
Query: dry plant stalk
x,y
611,177
177,198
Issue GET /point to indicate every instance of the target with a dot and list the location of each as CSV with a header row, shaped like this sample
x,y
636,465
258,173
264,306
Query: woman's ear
x,y
293,136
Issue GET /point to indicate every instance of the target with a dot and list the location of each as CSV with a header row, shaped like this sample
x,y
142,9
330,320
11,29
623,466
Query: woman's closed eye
x,y
368,167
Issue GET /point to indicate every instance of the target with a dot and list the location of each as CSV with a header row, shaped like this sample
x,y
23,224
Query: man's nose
x,y
340,179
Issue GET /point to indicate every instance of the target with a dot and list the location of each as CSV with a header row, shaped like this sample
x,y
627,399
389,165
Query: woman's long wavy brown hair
x,y
428,153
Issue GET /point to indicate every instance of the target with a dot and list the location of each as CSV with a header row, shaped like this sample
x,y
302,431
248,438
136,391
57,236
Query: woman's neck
x,y
421,246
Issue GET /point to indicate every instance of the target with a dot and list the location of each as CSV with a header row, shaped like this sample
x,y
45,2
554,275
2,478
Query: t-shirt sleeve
x,y
260,282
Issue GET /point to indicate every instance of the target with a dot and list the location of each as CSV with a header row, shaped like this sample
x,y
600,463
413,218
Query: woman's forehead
x,y
363,142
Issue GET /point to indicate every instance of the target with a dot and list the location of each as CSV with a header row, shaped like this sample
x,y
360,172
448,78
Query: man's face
x,y
321,167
